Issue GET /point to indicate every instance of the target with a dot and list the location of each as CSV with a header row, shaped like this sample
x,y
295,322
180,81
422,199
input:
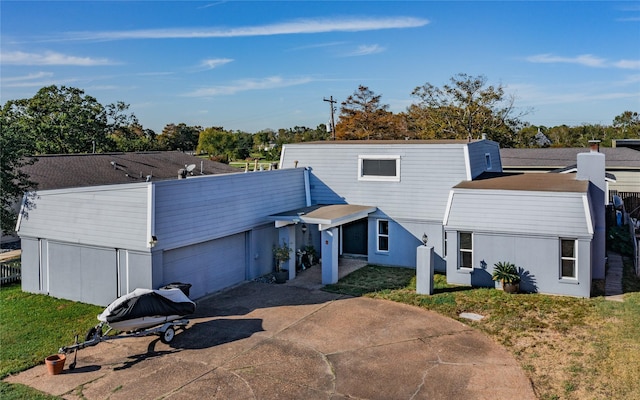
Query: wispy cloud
x,y
365,50
244,85
212,63
628,64
30,77
300,26
587,60
50,58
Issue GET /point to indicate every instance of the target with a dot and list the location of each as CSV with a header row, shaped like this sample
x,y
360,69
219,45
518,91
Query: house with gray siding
x,y
370,199
94,244
407,181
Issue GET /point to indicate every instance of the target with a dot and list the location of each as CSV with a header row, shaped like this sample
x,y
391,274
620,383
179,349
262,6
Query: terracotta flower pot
x,y
55,363
511,287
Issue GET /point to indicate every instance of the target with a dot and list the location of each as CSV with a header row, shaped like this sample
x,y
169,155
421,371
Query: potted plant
x,y
310,251
507,274
282,254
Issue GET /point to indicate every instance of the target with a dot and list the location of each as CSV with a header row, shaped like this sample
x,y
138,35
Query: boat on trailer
x,y
142,312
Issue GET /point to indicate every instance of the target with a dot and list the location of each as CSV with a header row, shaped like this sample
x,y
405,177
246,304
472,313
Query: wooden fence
x,y
10,272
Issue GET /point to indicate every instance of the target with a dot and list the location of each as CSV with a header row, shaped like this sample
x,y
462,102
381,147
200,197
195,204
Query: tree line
x,y
64,120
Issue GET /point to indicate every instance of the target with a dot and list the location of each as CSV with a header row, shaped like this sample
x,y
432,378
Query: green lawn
x,y
33,327
570,348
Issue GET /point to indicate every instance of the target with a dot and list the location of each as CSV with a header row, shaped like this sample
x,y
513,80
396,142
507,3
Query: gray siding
x,y
428,171
107,216
531,213
537,257
478,152
200,209
209,266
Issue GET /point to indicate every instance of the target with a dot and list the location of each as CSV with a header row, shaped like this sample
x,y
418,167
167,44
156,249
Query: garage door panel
x,y
82,273
208,267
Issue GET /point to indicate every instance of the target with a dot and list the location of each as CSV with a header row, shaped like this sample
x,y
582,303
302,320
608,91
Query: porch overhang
x,y
325,216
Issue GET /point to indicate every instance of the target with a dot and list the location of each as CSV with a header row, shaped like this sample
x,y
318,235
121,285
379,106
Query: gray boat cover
x,y
148,303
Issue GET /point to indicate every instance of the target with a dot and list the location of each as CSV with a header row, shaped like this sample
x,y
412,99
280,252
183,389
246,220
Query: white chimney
x,y
591,167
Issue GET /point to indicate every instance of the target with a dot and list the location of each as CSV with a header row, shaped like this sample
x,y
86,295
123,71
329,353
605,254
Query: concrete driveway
x,y
267,341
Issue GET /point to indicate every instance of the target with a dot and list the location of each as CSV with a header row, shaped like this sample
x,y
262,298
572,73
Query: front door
x,y
355,237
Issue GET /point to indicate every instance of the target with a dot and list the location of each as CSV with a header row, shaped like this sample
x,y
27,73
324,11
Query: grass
x,y
570,348
33,327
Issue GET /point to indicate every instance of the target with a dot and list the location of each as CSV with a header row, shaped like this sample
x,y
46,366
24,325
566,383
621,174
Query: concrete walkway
x,y
613,278
268,341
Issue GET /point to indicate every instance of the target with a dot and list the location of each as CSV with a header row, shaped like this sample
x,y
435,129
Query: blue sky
x,y
255,65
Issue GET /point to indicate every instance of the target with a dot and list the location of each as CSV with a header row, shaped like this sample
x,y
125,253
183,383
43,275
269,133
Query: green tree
x,y
466,107
217,144
179,137
628,125
63,120
16,143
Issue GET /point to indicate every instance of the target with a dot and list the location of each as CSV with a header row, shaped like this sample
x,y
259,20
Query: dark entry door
x,y
354,237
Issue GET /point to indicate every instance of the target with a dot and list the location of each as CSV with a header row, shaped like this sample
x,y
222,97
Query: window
x,y
379,168
487,160
465,246
383,235
568,260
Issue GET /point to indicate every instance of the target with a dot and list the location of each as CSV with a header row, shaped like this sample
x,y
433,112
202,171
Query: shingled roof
x,y
78,170
556,157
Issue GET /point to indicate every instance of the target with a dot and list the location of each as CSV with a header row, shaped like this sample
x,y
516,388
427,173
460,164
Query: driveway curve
x,y
265,341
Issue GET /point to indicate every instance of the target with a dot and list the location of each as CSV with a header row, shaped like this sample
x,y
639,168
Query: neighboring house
x,y
623,163
372,199
59,171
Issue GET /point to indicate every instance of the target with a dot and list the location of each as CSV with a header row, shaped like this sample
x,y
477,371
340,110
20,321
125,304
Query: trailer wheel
x,y
167,336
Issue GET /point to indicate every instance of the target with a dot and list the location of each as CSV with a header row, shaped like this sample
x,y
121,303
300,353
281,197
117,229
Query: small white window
x,y
379,168
568,259
465,250
487,160
383,235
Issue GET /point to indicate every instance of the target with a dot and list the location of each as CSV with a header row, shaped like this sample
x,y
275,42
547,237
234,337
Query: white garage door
x,y
208,267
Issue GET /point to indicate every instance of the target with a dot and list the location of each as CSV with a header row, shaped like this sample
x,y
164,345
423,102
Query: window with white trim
x,y
465,250
487,161
379,168
568,259
383,235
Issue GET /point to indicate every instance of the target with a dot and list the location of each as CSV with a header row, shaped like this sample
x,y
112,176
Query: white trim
x,y
23,203
459,251
379,235
380,178
487,162
447,210
151,213
587,213
467,163
307,187
574,258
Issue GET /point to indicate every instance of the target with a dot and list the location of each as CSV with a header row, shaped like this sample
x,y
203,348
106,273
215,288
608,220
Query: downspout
x,y
307,186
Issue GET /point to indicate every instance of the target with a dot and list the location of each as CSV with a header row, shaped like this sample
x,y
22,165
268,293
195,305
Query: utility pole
x,y
331,101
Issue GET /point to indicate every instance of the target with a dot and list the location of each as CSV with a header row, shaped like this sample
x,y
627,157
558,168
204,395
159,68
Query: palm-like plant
x,y
505,272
